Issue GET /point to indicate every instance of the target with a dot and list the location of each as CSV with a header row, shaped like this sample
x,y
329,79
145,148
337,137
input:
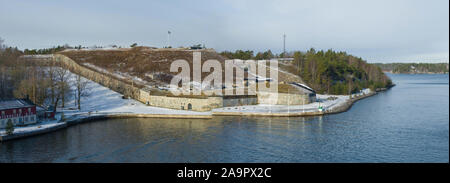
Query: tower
x,y
168,39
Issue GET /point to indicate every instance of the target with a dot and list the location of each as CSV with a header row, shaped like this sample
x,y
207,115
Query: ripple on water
x,y
408,123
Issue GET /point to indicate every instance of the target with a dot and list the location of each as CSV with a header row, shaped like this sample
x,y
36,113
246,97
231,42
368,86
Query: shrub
x,y
63,118
9,128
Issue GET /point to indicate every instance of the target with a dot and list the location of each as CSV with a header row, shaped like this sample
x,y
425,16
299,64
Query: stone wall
x,y
183,103
103,79
284,98
180,103
197,104
229,101
144,97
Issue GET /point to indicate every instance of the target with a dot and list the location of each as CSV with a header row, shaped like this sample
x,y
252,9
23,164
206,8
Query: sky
x,y
375,30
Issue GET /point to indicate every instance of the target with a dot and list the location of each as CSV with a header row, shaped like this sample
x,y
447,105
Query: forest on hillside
x,y
328,71
414,68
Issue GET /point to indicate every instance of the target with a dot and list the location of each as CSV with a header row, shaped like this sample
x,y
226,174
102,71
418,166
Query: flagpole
x,y
168,39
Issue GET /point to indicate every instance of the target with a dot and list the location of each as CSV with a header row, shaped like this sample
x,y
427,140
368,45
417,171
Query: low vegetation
x,y
146,63
9,128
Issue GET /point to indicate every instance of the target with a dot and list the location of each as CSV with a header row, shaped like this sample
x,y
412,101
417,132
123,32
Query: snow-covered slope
x,y
103,100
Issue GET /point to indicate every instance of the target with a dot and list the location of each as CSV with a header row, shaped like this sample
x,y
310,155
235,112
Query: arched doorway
x,y
189,106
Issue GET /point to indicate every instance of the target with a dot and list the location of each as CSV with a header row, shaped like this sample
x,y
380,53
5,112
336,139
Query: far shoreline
x,y
411,73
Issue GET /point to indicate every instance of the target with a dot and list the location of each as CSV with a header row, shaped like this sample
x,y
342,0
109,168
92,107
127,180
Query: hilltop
x,y
145,66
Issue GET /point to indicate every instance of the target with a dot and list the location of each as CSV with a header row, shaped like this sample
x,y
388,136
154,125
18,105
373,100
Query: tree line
x,y
45,50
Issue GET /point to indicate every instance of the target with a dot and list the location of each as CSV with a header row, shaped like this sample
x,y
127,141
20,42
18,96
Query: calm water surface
x,y
409,123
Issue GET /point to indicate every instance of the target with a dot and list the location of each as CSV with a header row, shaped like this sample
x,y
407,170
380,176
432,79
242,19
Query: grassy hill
x,y
142,63
325,71
149,65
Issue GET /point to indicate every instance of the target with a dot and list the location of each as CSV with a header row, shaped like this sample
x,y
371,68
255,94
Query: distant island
x,y
414,68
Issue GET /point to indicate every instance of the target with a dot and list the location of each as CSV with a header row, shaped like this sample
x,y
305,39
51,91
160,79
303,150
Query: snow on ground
x,y
328,102
280,70
362,92
92,66
312,107
35,127
103,100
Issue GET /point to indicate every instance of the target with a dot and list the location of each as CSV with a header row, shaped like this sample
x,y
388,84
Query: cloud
x,y
378,31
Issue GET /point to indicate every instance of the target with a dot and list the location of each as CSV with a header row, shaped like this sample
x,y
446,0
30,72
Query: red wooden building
x,y
17,111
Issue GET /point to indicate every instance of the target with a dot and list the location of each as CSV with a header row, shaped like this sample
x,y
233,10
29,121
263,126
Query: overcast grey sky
x,y
376,30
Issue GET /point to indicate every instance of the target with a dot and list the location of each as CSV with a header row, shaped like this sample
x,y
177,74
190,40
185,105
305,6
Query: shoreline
x,y
413,73
78,119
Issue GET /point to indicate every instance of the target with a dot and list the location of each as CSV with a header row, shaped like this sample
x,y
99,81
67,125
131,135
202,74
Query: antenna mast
x,y
284,45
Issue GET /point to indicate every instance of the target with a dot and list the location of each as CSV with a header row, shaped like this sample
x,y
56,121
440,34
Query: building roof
x,y
15,103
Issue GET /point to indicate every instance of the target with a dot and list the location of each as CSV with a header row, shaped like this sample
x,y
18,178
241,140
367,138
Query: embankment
x,y
340,107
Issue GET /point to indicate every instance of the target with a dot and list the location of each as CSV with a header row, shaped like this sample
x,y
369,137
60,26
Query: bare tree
x,y
43,85
82,90
2,46
52,78
62,85
3,81
3,73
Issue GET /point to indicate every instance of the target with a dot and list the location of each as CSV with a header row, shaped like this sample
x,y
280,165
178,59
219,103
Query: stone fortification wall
x,y
103,79
180,103
196,104
229,101
284,98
